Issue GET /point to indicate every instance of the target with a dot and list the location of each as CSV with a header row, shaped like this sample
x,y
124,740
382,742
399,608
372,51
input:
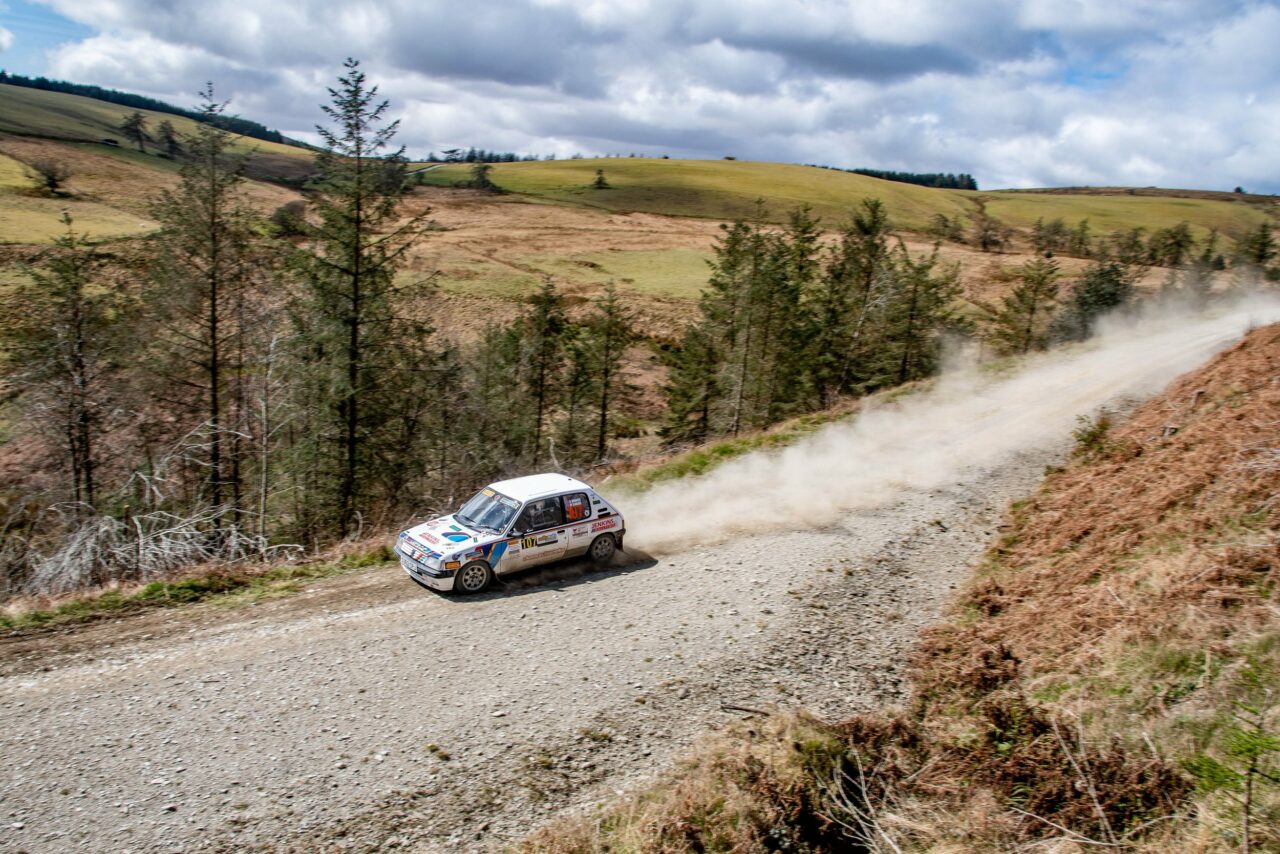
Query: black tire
x,y
602,549
473,578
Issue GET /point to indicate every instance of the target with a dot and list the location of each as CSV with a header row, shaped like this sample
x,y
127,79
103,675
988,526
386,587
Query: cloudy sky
x,y
1032,93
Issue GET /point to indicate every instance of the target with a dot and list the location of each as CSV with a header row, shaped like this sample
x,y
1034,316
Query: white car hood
x,y
446,536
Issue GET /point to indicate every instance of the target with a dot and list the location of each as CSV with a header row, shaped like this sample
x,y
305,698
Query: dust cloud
x,y
968,421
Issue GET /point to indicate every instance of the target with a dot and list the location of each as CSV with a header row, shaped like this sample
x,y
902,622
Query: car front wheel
x,y
475,577
602,549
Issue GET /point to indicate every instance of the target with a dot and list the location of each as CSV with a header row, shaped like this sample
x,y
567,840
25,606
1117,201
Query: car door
x,y
543,534
578,513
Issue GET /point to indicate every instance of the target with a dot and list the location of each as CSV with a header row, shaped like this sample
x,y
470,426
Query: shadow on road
x,y
556,576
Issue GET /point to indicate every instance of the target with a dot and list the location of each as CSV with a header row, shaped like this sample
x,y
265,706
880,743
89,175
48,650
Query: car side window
x,y
541,514
577,507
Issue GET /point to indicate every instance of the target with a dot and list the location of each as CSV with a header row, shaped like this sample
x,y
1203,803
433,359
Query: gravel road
x,y
367,714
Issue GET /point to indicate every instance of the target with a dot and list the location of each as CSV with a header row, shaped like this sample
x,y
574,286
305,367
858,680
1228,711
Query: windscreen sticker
x,y
488,493
510,502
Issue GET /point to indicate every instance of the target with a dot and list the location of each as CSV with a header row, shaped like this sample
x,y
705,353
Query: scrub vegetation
x,y
1107,680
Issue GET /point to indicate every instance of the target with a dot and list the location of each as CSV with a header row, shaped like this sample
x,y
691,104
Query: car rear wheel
x,y
475,577
602,549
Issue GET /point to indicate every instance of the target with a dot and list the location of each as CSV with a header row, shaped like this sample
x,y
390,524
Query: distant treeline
x,y
236,125
479,155
942,180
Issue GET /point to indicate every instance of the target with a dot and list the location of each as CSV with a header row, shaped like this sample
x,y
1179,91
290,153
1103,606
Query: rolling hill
x,y
73,118
725,189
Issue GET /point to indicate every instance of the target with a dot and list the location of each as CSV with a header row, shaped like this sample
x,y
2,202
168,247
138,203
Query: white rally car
x,y
509,526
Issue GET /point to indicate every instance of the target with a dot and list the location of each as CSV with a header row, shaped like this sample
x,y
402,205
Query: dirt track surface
x,y
304,724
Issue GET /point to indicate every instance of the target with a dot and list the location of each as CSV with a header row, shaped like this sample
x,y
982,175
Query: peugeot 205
x,y
510,526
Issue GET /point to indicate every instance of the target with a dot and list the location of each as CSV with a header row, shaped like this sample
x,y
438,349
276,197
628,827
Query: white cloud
x,y
1042,92
6,39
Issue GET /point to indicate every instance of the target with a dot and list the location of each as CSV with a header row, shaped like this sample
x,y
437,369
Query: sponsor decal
x,y
604,525
498,549
456,537
578,532
528,542
429,537
543,539
475,554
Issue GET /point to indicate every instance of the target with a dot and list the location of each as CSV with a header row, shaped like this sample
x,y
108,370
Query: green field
x,y
715,189
13,175
680,273
721,189
1120,212
33,219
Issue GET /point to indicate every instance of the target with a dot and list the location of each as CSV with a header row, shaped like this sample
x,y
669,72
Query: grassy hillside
x,y
1107,681
716,189
724,189
1120,212
56,115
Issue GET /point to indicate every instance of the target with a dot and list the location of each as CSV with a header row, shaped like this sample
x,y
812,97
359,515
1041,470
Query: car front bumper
x,y
433,577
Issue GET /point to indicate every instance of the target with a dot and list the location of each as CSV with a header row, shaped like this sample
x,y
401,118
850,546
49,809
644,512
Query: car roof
x,y
538,486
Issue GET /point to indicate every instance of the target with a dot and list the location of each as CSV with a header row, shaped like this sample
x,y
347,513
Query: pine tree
x,y
134,128
692,388
1080,243
61,343
920,306
1105,285
1258,246
205,265
1023,320
542,345
168,138
607,335
845,303
480,179
1169,247
1130,247
348,314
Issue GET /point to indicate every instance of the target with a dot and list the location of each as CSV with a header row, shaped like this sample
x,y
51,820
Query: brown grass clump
x,y
753,788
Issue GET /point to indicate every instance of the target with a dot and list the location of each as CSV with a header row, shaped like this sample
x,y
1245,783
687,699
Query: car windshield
x,y
488,511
